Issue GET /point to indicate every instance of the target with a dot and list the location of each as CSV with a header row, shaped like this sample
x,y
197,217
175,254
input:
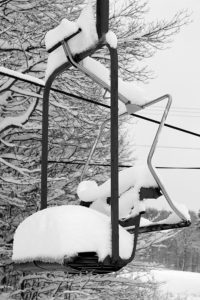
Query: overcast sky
x,y
177,72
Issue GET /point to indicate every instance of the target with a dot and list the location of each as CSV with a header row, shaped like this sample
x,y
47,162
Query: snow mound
x,y
87,190
60,232
86,39
111,39
137,176
130,182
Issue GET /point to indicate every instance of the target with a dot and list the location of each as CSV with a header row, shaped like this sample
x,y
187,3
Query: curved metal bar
x,y
114,140
135,234
81,68
45,128
101,129
152,150
95,78
45,120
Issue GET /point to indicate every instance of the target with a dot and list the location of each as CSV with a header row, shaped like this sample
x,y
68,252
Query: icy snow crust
x,y
61,232
86,39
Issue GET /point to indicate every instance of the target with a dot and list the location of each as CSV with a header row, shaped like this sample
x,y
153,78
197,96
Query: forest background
x,y
73,128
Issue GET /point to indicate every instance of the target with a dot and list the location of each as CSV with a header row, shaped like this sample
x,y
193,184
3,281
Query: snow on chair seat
x,y
84,40
59,233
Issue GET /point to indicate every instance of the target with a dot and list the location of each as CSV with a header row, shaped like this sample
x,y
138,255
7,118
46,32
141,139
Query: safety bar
x,y
154,144
152,151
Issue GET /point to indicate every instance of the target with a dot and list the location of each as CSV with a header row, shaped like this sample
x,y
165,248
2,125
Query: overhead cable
x,y
120,165
104,105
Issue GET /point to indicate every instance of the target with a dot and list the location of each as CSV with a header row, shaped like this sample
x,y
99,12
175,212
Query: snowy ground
x,y
174,284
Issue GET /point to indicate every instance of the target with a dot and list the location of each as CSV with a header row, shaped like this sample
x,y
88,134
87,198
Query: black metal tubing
x,y
45,121
66,39
114,143
114,154
119,166
84,162
102,17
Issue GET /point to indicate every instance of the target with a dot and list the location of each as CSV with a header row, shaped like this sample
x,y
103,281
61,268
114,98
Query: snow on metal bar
x,y
85,39
19,75
129,92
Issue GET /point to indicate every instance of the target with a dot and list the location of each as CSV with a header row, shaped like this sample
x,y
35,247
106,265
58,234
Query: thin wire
x,y
167,125
57,90
173,147
121,165
106,106
179,108
174,114
179,168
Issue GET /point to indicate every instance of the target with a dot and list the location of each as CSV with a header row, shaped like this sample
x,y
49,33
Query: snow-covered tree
x,y
73,124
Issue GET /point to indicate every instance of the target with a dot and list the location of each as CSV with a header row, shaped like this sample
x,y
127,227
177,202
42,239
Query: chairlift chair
x,y
88,261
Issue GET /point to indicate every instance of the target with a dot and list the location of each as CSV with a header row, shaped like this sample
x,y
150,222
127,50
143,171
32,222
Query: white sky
x,y
177,284
177,72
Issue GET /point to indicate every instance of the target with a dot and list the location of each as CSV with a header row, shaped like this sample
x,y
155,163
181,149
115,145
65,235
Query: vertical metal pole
x,y
45,121
102,17
114,155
